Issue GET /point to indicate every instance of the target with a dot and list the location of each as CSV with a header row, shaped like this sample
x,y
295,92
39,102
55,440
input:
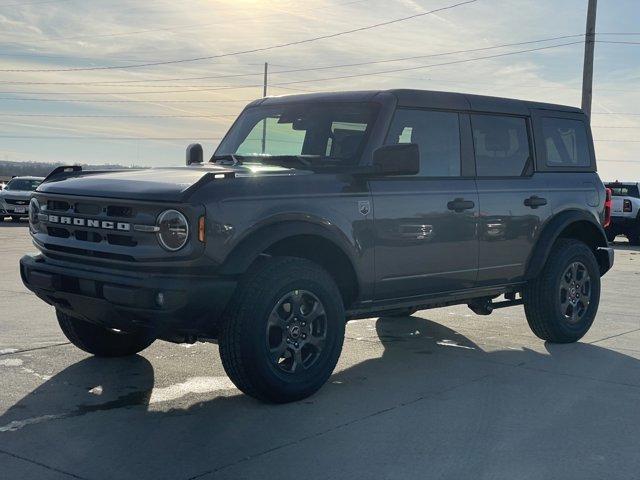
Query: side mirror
x,y
194,153
400,159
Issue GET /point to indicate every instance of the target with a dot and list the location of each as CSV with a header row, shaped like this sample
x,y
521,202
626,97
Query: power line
x,y
315,80
73,100
294,70
242,52
618,42
181,27
55,115
32,3
95,137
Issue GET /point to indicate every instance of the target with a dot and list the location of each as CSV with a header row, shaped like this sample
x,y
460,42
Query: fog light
x,y
160,299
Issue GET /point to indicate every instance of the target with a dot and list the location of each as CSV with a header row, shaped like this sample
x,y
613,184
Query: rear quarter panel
x,y
576,190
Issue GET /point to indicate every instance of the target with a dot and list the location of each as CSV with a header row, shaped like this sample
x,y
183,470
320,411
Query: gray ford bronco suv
x,y
316,209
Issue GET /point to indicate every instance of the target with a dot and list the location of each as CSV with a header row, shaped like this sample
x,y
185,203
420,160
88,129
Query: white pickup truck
x,y
624,211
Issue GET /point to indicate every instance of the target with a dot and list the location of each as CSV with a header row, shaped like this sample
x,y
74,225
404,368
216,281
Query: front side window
x,y
565,142
501,145
23,185
437,135
325,132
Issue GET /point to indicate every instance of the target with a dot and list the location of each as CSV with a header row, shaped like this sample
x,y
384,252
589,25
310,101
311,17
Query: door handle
x,y
460,204
535,202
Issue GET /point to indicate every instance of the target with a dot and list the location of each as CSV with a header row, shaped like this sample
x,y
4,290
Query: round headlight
x,y
34,211
173,230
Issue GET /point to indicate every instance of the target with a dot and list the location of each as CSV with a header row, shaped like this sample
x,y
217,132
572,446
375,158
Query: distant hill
x,y
42,169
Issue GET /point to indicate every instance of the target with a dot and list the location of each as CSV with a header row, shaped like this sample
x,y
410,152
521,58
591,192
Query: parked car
x,y
14,198
625,214
320,208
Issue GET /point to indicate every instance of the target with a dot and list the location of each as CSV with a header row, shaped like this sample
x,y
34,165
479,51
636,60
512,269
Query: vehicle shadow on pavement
x,y
427,394
625,246
9,224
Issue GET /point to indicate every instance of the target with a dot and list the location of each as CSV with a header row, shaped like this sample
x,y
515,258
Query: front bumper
x,y
9,211
174,306
605,257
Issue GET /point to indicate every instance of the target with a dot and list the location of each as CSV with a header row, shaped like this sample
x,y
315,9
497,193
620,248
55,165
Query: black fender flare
x,y
255,243
554,228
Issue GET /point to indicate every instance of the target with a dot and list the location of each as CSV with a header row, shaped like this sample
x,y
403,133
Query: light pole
x,y
264,122
589,44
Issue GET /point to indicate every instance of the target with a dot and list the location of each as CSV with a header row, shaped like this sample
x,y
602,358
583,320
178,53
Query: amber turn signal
x,y
201,230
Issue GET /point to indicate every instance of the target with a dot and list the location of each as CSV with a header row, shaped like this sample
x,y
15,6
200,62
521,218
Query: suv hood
x,y
154,184
16,194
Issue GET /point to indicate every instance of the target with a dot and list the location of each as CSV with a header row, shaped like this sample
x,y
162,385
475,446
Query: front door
x,y
425,225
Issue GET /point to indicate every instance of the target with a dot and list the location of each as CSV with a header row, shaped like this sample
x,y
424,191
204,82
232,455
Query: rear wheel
x,y
15,219
611,235
562,302
283,331
100,341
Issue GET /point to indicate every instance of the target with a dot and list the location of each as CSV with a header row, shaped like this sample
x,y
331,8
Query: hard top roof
x,y
423,99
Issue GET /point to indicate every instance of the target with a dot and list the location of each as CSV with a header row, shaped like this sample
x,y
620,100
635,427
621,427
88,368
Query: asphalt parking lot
x,y
443,394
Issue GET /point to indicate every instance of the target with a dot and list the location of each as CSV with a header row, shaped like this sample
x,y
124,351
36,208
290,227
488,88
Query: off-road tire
x,y
633,234
611,236
15,219
100,341
244,348
542,297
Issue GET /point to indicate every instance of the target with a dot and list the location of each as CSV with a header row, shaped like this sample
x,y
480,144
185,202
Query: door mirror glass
x,y
401,159
194,153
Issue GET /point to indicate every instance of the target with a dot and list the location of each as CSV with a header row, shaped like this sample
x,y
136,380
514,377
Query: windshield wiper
x,y
230,159
288,160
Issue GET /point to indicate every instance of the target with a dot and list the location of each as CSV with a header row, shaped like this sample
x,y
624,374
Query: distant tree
x,y
42,169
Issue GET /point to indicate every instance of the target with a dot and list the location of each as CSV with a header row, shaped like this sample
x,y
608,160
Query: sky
x,y
147,115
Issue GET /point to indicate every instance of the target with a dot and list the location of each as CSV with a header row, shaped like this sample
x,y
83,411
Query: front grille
x,y
98,228
12,201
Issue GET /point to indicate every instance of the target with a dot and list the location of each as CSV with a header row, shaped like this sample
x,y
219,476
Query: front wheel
x,y
561,304
100,341
283,331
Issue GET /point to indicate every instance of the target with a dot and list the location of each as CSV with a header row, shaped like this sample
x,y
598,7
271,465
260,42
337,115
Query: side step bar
x,y
486,305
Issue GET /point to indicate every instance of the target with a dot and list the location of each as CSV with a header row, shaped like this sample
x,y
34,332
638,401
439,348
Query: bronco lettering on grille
x,y
88,222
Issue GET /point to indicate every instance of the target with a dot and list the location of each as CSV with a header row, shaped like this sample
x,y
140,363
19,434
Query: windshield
x,y
330,133
22,184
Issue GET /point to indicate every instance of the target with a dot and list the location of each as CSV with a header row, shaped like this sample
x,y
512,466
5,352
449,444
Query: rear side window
x,y
437,135
565,142
501,145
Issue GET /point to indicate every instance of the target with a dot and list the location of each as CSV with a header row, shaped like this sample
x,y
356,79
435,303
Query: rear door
x,y
425,225
513,198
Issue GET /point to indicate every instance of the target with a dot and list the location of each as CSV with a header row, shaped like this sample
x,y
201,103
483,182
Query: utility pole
x,y
264,122
589,44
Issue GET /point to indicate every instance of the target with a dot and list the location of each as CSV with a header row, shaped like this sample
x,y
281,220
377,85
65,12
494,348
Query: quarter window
x,y
565,142
437,135
501,145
